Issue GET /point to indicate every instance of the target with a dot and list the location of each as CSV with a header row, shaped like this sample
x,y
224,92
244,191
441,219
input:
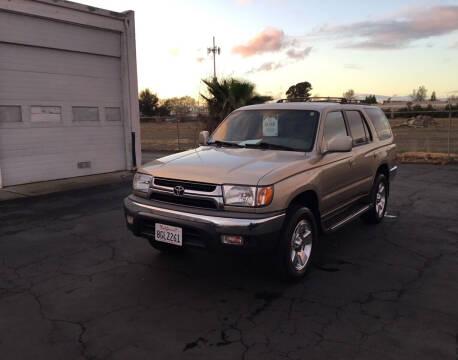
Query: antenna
x,y
215,50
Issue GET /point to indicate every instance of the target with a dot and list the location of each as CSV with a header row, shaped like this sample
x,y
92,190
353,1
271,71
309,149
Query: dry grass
x,y
164,135
430,158
413,144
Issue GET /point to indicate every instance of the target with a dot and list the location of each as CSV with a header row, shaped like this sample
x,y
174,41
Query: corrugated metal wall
x,y
60,72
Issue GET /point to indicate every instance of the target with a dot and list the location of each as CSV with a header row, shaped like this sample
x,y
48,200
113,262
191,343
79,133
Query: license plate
x,y
168,234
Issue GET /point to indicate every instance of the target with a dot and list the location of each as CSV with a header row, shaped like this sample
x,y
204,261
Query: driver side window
x,y
334,126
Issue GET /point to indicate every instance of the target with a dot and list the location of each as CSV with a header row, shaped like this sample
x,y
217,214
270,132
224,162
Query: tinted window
x,y
356,123
380,122
334,126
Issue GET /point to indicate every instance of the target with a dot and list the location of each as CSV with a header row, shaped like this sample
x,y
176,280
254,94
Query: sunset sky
x,y
383,47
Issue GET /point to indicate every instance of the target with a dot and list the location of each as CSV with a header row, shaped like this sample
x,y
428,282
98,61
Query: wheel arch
x,y
383,169
308,198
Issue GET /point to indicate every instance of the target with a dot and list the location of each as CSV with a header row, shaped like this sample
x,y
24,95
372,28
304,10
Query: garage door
x,y
60,100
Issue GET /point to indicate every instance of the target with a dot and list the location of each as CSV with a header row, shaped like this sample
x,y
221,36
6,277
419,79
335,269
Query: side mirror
x,y
203,138
338,144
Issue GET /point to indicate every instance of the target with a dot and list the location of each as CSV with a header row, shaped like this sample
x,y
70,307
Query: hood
x,y
227,165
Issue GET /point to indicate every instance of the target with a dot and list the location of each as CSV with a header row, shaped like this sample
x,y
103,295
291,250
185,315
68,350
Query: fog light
x,y
130,219
232,239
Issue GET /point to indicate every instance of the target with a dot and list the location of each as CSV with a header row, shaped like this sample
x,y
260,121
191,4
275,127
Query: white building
x,y
68,91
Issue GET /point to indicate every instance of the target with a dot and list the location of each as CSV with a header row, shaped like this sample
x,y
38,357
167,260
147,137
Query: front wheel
x,y
379,201
298,243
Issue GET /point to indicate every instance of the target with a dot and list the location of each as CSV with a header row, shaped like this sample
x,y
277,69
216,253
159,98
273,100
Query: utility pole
x,y
215,50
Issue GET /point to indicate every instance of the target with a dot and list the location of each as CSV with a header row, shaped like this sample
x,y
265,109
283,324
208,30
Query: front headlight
x,y
142,182
251,196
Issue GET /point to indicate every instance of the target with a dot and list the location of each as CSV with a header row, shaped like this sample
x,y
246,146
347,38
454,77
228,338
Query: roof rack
x,y
338,100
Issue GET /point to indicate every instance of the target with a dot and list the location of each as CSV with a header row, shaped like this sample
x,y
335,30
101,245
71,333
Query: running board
x,y
345,217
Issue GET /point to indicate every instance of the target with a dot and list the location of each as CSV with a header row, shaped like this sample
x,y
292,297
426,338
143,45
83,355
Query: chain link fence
x,y
171,133
420,134
425,134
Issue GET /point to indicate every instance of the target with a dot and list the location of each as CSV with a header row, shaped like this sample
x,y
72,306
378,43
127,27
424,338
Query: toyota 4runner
x,y
271,177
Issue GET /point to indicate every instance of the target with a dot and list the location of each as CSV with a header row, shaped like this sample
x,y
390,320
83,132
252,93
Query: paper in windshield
x,y
270,125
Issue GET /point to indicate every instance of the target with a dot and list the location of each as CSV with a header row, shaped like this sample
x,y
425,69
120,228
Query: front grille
x,y
187,201
188,185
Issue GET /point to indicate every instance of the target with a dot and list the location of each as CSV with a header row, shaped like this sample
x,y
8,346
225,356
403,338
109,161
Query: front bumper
x,y
204,230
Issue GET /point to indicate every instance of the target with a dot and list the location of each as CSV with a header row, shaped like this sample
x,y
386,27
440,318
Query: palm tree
x,y
229,94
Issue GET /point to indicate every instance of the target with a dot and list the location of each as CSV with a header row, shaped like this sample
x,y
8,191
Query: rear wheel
x,y
379,201
298,243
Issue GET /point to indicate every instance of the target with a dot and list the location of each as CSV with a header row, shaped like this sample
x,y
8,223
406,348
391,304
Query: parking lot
x,y
74,283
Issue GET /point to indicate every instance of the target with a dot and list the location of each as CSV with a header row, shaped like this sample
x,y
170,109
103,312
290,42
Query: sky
x,y
384,47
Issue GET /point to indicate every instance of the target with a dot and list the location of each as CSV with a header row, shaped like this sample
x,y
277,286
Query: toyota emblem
x,y
178,190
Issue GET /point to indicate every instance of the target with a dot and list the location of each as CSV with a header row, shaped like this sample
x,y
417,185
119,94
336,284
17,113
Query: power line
x,y
215,50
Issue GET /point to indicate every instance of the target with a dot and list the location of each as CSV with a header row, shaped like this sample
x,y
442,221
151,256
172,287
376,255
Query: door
x,y
336,176
362,154
60,100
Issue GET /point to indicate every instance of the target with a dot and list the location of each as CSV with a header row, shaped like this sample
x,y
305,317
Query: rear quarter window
x,y
380,122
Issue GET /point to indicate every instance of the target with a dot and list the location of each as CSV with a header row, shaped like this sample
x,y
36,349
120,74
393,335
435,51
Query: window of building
x,y
10,114
113,114
83,113
45,113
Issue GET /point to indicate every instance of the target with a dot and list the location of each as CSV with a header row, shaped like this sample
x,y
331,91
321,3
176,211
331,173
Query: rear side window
x,y
380,122
357,128
334,125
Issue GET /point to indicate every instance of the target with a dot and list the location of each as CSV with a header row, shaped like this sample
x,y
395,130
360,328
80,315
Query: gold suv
x,y
271,177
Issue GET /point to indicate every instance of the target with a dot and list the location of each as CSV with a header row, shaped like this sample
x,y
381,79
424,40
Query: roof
x,y
85,8
316,106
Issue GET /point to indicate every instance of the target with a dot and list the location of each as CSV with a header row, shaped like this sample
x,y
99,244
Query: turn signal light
x,y
265,195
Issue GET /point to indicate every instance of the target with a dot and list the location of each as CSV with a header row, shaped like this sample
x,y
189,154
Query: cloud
x,y
394,33
298,54
268,40
352,67
293,56
244,2
268,66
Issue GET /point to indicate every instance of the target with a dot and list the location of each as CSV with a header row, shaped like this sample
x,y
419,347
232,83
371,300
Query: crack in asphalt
x,y
210,310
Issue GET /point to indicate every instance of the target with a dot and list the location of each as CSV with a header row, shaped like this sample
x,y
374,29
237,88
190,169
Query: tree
x,y
226,95
433,96
179,104
370,99
349,94
300,90
147,102
419,94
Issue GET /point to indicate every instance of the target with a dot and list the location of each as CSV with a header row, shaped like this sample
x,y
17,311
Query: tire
x,y
298,243
379,201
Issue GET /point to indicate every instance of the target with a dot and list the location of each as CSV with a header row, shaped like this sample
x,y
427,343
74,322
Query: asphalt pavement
x,y
75,284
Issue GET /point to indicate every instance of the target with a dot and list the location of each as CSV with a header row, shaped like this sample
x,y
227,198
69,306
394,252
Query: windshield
x,y
292,130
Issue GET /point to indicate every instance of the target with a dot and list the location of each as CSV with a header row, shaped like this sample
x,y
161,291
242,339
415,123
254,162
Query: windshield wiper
x,y
225,143
266,145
